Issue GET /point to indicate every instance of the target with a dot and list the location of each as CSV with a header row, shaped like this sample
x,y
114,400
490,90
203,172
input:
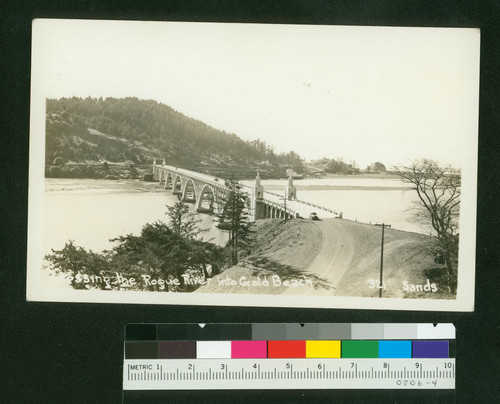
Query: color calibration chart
x,y
289,356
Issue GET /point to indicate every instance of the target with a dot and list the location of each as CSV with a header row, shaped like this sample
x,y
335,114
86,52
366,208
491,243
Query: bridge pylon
x,y
155,171
290,189
257,202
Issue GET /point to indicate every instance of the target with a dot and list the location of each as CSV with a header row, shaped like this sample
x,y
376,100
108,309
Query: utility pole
x,y
284,200
380,286
234,253
285,208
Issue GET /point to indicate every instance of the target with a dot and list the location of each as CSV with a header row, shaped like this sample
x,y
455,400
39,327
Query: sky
x,y
365,94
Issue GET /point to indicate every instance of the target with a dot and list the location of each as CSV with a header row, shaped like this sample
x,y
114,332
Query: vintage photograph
x,y
253,165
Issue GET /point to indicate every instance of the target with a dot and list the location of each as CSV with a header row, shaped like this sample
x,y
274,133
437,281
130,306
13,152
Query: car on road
x,y
313,216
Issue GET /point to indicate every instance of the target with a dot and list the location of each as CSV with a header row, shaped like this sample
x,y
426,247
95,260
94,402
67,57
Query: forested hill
x,y
84,134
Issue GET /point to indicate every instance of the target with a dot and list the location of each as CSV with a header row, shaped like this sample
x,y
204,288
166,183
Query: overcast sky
x,y
362,93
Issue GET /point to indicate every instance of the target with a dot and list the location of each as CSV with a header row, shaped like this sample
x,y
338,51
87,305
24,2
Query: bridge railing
x,y
305,203
317,206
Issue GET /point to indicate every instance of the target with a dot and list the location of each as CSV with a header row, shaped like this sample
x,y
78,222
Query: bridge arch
x,y
169,180
177,185
207,200
188,191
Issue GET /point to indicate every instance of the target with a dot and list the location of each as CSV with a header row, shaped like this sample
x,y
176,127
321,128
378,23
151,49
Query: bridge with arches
x,y
208,194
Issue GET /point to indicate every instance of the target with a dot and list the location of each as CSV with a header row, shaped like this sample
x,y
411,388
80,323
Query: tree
x,y
73,260
234,218
438,189
204,255
182,221
377,166
158,250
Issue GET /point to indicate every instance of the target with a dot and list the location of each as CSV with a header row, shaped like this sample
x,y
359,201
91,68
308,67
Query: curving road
x,y
342,246
345,261
349,260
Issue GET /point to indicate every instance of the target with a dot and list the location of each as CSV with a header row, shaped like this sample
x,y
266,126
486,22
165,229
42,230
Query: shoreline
x,y
88,185
341,188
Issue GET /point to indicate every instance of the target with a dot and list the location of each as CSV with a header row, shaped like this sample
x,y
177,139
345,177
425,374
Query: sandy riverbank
x,y
100,185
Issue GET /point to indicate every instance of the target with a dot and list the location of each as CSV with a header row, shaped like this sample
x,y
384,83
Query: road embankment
x,y
334,257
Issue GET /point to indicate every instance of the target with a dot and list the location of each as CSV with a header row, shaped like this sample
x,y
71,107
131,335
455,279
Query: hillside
x,y
83,134
338,257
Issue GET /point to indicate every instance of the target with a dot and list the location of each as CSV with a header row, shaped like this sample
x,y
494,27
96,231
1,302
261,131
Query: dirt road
x,y
331,257
349,260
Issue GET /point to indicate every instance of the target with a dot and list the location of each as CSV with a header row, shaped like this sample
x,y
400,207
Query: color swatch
x,y
286,349
430,349
360,349
323,349
394,349
248,349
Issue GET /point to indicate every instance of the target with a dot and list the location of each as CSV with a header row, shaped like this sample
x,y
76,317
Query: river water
x,y
367,200
91,212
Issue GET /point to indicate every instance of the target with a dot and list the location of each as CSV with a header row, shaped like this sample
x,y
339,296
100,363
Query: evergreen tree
x,y
182,221
234,218
72,260
158,250
167,251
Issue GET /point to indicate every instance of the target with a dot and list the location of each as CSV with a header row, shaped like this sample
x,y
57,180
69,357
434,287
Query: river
x,y
367,200
91,212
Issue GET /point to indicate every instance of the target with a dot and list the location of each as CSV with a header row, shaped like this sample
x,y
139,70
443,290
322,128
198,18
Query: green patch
x,y
359,349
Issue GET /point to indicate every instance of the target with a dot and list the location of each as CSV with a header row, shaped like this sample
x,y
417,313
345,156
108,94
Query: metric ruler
x,y
295,356
205,374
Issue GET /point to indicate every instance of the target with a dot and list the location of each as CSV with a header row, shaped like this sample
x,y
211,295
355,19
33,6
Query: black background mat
x,y
70,352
